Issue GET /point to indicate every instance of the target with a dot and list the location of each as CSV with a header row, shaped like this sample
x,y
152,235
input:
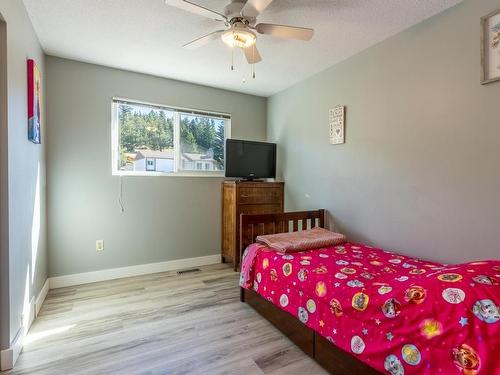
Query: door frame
x,y
4,195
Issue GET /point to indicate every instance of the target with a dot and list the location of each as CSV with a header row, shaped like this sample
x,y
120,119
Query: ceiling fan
x,y
240,20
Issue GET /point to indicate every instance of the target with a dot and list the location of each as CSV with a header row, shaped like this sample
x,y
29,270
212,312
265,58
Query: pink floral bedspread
x,y
397,314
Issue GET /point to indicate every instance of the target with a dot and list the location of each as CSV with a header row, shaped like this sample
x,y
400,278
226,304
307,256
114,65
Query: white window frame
x,y
177,152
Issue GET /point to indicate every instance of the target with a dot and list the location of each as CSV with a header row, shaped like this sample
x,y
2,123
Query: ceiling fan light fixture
x,y
237,37
240,27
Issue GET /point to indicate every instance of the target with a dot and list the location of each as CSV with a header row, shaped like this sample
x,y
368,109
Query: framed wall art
x,y
34,102
490,47
337,125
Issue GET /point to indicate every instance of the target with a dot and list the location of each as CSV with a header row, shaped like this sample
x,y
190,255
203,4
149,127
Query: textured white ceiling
x,y
146,36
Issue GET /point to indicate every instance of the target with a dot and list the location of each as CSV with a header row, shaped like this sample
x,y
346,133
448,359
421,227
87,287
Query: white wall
x,y
164,165
140,165
26,175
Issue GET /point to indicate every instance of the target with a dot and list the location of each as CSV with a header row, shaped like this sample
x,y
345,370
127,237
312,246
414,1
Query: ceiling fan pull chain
x,y
253,59
232,59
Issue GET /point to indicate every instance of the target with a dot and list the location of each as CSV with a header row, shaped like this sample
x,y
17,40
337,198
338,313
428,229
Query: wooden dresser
x,y
245,197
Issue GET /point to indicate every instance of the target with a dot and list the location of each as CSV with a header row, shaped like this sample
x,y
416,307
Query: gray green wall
x,y
165,218
24,249
419,172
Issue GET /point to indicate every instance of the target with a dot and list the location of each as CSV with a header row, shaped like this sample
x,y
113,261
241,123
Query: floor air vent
x,y
191,270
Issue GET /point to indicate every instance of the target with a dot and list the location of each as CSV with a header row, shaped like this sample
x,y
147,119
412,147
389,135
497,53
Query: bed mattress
x,y
398,314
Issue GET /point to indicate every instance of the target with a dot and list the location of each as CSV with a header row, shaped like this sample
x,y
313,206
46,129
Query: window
x,y
150,164
150,139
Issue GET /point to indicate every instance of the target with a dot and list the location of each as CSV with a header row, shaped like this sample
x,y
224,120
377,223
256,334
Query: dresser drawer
x,y
248,195
260,209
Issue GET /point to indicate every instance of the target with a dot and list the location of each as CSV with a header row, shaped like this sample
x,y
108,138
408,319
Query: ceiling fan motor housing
x,y
233,11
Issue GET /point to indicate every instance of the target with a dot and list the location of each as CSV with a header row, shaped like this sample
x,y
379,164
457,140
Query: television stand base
x,y
252,180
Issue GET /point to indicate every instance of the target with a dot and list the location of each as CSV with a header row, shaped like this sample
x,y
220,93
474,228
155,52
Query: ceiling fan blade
x,y
253,8
287,32
252,54
196,9
205,39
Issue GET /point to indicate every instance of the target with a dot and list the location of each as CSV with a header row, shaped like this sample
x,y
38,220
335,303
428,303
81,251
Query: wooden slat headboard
x,y
253,225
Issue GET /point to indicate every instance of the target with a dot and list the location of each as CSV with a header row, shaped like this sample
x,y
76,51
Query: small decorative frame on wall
x,y
337,125
490,47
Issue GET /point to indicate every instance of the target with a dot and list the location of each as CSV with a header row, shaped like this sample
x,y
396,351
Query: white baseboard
x,y
142,269
41,297
31,317
6,360
8,357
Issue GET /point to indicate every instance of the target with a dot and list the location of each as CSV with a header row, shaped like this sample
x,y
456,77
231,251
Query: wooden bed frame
x,y
333,359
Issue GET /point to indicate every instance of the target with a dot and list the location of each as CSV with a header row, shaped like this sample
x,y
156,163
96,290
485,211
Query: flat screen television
x,y
250,160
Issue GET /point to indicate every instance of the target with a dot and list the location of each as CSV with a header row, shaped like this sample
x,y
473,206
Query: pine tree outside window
x,y
150,139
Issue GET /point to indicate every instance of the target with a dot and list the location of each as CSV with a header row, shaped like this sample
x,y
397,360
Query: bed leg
x,y
242,294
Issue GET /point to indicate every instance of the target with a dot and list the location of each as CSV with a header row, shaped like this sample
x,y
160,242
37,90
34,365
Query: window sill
x,y
163,174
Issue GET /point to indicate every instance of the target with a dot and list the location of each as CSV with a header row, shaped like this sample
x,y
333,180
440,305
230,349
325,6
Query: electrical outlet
x,y
99,245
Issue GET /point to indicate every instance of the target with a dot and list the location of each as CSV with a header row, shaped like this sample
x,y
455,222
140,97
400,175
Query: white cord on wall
x,y
120,195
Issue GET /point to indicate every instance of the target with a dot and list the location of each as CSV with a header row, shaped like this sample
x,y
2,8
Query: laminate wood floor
x,y
158,324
